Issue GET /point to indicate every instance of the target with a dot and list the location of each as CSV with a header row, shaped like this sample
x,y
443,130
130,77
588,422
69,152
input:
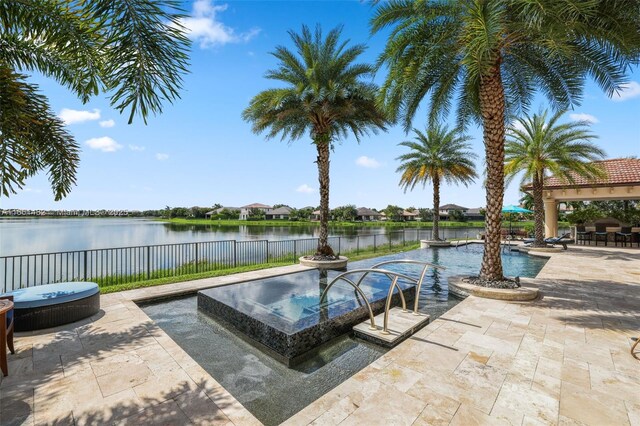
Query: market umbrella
x,y
514,209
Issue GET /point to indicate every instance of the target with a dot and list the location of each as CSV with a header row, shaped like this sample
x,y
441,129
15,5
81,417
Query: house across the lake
x,y
410,216
245,211
367,215
281,213
447,209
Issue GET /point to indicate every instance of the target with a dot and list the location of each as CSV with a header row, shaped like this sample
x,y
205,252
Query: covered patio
x,y
621,183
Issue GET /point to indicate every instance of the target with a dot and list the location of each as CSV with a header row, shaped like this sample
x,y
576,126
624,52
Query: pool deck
x,y
563,359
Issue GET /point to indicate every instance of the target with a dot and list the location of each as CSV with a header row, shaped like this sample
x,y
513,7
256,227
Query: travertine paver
x,y
117,367
563,359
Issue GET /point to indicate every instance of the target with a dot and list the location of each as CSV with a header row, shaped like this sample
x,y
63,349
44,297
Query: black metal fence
x,y
130,264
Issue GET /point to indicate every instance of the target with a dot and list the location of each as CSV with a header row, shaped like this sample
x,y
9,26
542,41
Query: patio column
x,y
550,218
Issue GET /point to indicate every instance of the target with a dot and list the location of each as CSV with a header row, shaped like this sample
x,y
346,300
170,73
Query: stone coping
x,y
339,264
458,287
540,250
434,243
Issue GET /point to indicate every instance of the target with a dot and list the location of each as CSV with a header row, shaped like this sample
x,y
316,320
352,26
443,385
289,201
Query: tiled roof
x,y
620,171
256,206
363,211
452,207
281,210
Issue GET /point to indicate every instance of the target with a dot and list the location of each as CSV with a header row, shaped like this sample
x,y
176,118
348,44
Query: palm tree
x,y
438,155
536,145
488,58
134,50
324,96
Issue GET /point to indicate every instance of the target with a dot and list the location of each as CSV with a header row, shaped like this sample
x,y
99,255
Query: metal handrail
x,y
393,276
389,274
358,290
418,282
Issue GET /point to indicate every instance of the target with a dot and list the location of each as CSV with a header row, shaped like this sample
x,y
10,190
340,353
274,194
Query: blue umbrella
x,y
513,209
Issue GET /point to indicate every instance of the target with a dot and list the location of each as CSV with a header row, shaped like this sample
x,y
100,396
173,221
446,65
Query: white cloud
x,y
161,157
368,162
204,27
136,148
107,123
70,116
306,189
104,144
584,117
627,91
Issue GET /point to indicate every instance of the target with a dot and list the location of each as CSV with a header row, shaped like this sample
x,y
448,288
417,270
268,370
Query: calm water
x,y
27,236
273,392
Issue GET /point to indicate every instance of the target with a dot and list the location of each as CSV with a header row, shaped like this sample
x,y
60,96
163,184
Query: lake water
x,y
27,236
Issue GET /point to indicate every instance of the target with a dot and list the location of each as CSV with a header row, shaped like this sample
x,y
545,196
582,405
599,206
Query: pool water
x,y
272,391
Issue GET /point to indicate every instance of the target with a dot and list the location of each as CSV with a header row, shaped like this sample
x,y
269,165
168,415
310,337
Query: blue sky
x,y
200,151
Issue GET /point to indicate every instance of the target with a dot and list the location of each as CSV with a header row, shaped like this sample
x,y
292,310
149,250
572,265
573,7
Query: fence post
x,y
196,258
339,244
235,253
267,242
374,243
357,244
295,249
404,237
148,262
85,265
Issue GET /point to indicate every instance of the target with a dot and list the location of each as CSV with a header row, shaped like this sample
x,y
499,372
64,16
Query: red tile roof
x,y
620,171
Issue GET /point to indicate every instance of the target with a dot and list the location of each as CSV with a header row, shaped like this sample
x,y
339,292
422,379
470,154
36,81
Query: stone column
x,y
550,218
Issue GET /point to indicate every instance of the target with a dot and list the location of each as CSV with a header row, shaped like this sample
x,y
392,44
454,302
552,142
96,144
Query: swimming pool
x,y
284,315
272,391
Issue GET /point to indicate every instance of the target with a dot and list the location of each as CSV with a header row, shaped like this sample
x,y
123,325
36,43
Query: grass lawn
x,y
105,287
443,224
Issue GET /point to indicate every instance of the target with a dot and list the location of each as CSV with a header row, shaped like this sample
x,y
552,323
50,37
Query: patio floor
x,y
563,359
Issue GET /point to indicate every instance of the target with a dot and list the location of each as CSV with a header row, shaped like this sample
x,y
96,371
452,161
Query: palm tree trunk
x,y
436,208
538,211
492,105
322,145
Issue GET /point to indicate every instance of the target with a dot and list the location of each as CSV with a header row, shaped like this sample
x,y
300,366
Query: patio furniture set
x,y
606,234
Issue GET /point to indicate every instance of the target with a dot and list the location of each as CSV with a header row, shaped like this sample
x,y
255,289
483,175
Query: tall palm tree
x,y
438,155
134,50
487,58
536,145
325,96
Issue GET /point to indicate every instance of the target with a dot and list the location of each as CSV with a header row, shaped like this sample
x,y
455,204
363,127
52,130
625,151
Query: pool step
x,y
401,326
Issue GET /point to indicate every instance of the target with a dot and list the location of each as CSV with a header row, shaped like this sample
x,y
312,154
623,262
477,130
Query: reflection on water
x,y
26,235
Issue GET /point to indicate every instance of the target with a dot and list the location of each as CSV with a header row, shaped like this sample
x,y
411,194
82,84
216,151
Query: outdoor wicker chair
x,y
6,337
601,234
624,236
583,235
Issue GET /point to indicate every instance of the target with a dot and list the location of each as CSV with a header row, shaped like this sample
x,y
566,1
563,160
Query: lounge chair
x,y
553,241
